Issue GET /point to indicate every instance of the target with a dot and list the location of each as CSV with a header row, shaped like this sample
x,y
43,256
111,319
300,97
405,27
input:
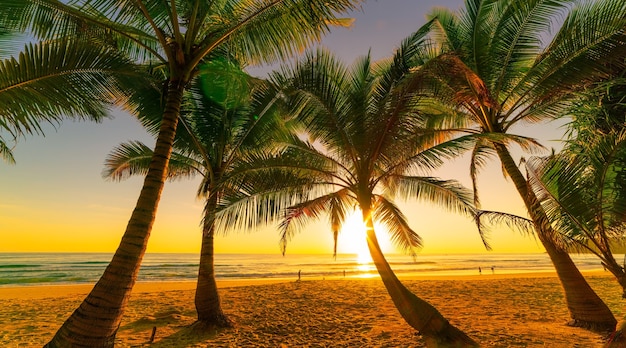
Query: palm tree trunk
x,y
96,321
421,315
207,300
586,308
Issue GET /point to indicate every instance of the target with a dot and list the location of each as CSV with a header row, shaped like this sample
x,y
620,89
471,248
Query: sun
x,y
352,238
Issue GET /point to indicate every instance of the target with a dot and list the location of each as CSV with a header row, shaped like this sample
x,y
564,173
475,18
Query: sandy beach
x,y
521,310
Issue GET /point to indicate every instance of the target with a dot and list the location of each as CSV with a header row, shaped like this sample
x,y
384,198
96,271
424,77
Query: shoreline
x,y
34,291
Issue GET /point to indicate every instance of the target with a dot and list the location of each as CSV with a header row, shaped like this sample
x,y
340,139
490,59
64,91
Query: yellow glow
x,y
352,239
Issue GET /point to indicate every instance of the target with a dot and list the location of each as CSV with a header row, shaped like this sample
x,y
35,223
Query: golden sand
x,y
523,310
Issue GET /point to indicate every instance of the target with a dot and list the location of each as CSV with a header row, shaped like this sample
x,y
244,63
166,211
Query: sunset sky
x,y
54,198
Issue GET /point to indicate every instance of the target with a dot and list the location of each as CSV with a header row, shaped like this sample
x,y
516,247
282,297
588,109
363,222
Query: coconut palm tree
x,y
367,145
174,37
220,126
582,188
53,80
497,72
583,197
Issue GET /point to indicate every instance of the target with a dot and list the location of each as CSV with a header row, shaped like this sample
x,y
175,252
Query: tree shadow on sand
x,y
172,329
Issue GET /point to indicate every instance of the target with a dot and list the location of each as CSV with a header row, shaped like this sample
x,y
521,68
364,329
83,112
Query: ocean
x,y
18,269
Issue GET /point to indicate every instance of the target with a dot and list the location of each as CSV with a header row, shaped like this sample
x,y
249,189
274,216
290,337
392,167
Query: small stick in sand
x,y
153,334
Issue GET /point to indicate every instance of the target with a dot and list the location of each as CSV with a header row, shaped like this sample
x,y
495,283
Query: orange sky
x,y
54,198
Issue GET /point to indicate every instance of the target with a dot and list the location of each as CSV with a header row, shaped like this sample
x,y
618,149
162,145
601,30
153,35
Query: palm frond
x,y
579,191
318,91
401,234
447,29
590,40
267,30
53,80
117,24
448,194
481,152
516,39
514,222
133,158
337,214
297,216
426,151
6,153
245,208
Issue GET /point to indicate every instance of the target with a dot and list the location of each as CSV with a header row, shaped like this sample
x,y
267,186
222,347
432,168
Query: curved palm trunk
x,y
421,315
586,308
612,266
207,300
96,321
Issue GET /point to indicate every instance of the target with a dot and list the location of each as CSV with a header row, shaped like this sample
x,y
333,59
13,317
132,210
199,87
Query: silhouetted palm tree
x,y
497,71
175,36
368,145
222,123
583,198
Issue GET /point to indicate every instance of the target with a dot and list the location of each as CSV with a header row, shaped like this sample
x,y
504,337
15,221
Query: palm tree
x,y
53,80
582,191
368,144
582,195
220,126
496,73
175,37
582,188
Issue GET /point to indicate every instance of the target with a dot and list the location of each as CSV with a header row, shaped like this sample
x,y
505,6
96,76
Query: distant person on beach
x,y
493,269
299,271
480,270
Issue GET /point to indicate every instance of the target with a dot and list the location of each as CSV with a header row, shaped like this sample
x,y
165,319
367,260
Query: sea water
x,y
71,268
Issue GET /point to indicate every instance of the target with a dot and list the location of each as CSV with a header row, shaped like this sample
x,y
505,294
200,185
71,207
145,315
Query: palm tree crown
x,y
497,71
367,144
172,38
221,123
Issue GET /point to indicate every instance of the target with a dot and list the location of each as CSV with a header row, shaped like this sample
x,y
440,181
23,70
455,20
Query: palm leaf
x,y
480,153
514,222
401,233
6,153
446,193
337,214
579,194
133,158
297,216
267,30
117,24
79,80
588,42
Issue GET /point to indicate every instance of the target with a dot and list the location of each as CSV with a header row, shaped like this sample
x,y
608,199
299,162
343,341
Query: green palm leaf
x,y
579,191
445,193
53,80
133,158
